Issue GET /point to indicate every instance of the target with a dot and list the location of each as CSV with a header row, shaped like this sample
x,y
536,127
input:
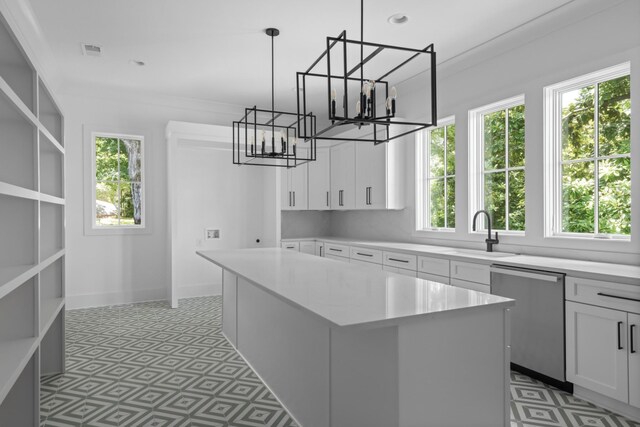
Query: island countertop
x,y
345,294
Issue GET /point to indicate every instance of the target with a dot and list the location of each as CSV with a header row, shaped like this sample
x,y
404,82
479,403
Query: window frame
x,y
553,161
423,162
90,226
476,163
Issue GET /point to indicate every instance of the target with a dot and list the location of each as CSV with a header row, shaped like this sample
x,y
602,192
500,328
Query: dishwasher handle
x,y
527,274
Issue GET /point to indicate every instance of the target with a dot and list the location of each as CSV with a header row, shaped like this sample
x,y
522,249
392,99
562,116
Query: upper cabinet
x,y
320,181
294,188
379,175
343,176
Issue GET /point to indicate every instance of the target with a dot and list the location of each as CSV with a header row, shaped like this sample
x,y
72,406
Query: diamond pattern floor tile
x,y
146,365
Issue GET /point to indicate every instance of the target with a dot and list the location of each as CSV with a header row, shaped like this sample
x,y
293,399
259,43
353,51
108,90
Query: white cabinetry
x,y
32,254
294,246
308,247
320,181
294,188
379,175
602,324
476,277
343,178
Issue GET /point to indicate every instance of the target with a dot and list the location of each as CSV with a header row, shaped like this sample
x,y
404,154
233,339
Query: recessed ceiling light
x,y
137,62
398,18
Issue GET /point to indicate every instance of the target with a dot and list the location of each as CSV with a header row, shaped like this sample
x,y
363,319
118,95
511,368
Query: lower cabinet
x,y
308,247
474,286
366,264
401,271
602,351
337,258
295,246
433,277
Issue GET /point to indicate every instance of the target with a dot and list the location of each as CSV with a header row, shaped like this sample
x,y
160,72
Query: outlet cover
x,y
211,233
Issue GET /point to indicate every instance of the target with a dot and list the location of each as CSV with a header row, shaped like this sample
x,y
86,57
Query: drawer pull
x,y
632,348
335,250
399,260
619,339
618,297
359,253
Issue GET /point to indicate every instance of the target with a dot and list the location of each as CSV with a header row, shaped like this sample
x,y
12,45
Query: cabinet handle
x,y
289,198
618,297
619,334
294,198
359,253
370,202
327,198
631,344
321,248
399,260
335,250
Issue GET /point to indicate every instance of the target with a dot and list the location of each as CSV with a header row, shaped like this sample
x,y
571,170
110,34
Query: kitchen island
x,y
345,346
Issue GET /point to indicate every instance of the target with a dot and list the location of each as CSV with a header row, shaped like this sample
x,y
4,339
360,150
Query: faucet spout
x,y
489,240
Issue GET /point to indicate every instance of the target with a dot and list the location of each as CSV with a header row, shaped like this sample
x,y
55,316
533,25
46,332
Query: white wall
x,y
212,192
116,269
583,39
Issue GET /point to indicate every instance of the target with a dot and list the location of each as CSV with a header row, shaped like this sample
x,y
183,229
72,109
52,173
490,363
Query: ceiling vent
x,y
89,49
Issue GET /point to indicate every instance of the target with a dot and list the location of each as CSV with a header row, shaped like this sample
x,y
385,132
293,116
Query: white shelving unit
x,y
32,254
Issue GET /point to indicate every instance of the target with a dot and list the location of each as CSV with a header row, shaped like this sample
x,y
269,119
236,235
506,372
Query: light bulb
x,y
333,94
393,93
358,107
294,140
262,135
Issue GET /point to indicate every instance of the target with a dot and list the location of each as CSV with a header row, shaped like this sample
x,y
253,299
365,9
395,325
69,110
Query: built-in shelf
x,y
15,67
15,355
51,229
18,142
49,310
32,255
18,230
51,167
49,113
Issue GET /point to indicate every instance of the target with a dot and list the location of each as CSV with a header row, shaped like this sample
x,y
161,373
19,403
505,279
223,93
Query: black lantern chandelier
x,y
373,111
270,137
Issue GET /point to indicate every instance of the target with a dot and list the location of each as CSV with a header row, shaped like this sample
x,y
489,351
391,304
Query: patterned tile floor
x,y
148,365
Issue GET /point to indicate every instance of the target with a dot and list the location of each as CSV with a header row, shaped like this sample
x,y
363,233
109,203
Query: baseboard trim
x,y
114,298
606,402
199,290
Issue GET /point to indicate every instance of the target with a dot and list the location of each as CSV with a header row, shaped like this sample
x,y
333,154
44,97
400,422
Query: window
x,y
497,163
118,181
588,151
437,182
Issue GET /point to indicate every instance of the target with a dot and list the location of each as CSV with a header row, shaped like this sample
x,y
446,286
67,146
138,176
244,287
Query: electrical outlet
x,y
211,233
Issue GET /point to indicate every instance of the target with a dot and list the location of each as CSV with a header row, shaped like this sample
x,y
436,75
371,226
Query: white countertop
x,y
346,294
587,269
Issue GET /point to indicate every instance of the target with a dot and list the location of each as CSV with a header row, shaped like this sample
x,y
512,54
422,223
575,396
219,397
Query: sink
x,y
484,254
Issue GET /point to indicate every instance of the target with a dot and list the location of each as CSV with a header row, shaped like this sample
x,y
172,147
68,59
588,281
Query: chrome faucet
x,y
489,240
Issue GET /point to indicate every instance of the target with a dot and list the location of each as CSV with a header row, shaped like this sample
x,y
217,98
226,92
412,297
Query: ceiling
x,y
217,50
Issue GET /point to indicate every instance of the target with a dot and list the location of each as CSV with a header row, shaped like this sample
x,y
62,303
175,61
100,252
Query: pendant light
x,y
367,103
270,137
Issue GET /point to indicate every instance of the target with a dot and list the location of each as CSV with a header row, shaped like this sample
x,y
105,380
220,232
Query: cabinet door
x,y
473,286
298,185
319,181
343,176
371,176
634,359
285,181
308,247
597,349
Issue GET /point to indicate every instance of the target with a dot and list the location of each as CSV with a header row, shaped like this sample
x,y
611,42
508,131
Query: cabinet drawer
x,y
437,266
336,250
400,271
434,277
368,255
366,264
395,259
295,246
337,258
470,272
474,286
618,296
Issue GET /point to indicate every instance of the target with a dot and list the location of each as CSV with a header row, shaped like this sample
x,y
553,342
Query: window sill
x,y
588,238
116,231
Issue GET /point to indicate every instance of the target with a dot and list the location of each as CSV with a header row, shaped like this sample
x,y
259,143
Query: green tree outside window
x,y
440,182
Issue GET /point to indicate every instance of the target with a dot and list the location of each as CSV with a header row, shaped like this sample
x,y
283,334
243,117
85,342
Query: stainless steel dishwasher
x,y
537,321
